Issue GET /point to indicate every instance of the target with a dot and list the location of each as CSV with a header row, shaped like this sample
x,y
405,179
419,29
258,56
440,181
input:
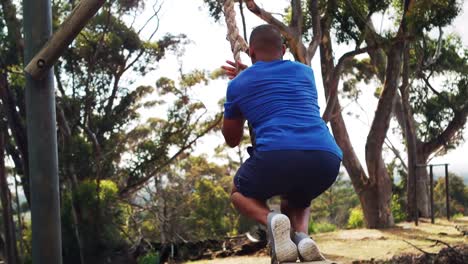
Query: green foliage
x,y
356,218
101,218
209,209
427,14
457,216
191,202
357,72
215,8
458,196
436,105
334,204
27,242
149,258
321,227
398,212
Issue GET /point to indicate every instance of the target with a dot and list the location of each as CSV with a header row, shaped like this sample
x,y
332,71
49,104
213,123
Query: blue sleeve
x,y
231,106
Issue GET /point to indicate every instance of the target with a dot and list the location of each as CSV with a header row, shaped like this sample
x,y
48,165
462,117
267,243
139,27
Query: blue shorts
x,y
298,176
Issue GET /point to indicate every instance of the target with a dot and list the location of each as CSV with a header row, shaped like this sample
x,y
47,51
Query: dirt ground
x,y
346,246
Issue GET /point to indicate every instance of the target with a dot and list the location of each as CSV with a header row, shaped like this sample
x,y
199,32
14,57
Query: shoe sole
x,y
309,251
282,245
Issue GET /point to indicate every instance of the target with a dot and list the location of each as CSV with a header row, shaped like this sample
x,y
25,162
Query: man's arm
x,y
233,130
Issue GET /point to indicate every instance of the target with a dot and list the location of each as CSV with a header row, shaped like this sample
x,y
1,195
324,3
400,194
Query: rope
x,y
238,44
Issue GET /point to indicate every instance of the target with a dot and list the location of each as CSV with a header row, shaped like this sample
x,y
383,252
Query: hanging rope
x,y
238,43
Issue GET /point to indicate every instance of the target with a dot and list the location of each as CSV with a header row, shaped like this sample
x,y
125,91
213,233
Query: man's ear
x,y
251,52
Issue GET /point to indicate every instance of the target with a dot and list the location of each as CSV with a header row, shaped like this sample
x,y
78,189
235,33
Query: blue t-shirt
x,y
279,99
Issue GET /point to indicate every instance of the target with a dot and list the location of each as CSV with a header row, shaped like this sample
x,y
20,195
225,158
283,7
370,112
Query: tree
x,y
434,115
189,202
10,249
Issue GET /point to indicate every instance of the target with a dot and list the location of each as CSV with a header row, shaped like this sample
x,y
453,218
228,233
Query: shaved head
x,y
266,39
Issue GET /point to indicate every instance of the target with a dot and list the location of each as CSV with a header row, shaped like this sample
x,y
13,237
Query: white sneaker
x,y
279,235
308,249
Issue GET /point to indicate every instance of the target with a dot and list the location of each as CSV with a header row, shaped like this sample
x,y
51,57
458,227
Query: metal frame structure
x,y
42,50
431,189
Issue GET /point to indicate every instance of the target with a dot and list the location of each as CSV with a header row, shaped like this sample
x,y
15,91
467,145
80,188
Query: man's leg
x,y
299,217
252,208
278,226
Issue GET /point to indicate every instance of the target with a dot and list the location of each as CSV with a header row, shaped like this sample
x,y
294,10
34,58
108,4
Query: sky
x,y
209,49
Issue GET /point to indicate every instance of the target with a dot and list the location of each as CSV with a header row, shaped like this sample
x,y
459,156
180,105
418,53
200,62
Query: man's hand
x,y
233,69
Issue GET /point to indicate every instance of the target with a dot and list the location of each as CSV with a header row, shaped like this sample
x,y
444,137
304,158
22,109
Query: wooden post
x,y
431,184
447,199
42,139
71,27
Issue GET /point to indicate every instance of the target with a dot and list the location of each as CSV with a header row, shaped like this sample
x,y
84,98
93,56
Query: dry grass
x,y
345,246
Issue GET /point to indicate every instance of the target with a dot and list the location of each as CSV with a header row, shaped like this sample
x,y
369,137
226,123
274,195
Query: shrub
x,y
399,214
101,219
356,218
323,227
312,227
150,258
457,216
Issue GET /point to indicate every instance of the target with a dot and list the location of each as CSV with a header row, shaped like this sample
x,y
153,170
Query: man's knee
x,y
233,192
234,189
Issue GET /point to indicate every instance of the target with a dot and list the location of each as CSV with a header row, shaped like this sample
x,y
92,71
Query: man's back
x,y
279,99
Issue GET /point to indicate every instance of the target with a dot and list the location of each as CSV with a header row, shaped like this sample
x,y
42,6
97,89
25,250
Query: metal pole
x,y
416,210
431,184
447,199
42,140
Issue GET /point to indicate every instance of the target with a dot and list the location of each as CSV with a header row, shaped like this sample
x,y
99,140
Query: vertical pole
x,y
416,209
431,186
42,140
447,200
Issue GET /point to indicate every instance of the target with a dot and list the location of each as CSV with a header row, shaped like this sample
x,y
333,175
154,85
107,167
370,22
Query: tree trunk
x,y
422,185
11,252
417,175
374,191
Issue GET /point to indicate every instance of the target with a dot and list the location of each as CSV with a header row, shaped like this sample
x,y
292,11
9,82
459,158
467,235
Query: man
x,y
295,156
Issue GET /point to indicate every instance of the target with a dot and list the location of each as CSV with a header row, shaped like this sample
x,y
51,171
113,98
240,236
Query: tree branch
x,y
437,53
453,127
129,189
268,17
428,84
418,248
396,152
383,113
296,17
316,29
14,119
333,88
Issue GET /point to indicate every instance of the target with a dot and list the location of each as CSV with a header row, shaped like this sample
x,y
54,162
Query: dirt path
x,y
345,246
